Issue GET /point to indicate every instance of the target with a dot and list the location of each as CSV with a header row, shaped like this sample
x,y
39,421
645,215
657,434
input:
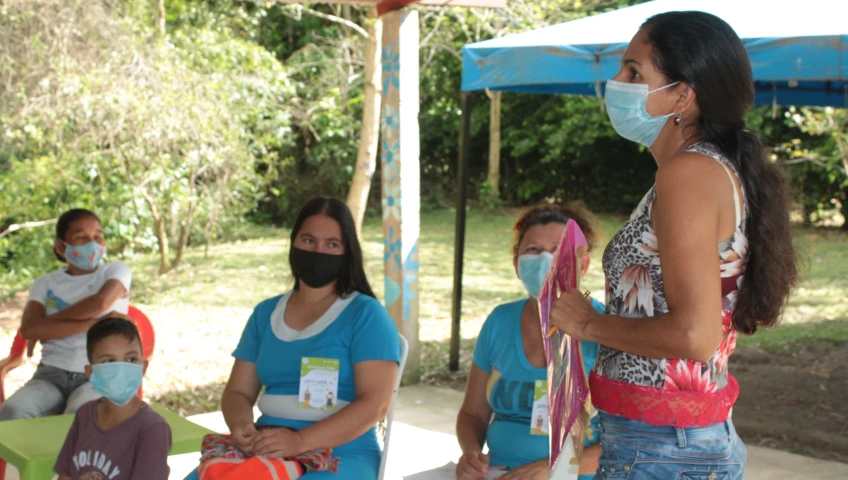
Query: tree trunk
x,y
806,212
160,16
494,176
174,220
161,235
842,145
185,226
185,230
844,209
369,134
207,233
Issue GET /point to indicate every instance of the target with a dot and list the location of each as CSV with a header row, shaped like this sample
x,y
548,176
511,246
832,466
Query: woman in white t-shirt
x,y
62,305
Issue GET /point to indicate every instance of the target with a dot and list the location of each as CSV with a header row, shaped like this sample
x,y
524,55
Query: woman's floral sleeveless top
x,y
665,391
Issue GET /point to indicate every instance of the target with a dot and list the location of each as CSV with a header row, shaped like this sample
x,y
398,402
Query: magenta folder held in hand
x,y
568,387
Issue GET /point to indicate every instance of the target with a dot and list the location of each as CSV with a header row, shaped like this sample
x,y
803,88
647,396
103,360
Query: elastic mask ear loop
x,y
662,88
677,118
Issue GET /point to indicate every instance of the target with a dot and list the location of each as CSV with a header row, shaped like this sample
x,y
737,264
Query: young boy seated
x,y
118,437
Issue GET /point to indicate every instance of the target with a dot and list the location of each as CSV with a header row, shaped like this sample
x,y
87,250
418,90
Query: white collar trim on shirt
x,y
288,334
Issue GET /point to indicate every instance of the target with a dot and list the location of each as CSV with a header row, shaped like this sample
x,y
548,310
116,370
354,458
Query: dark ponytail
x,y
770,271
703,51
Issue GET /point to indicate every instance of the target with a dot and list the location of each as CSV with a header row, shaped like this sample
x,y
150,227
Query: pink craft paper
x,y
568,387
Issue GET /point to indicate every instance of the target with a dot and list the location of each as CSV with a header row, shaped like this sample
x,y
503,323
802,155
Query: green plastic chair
x,y
32,445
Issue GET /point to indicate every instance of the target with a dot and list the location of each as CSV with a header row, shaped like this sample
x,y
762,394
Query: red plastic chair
x,y
19,347
148,337
13,361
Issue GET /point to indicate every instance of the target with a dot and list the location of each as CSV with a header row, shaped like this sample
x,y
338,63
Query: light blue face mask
x,y
532,270
85,257
626,106
117,381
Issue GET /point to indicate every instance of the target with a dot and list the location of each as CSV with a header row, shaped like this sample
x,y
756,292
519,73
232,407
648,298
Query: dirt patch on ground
x,y
11,311
796,402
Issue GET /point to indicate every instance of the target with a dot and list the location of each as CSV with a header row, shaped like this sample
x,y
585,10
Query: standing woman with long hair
x,y
707,254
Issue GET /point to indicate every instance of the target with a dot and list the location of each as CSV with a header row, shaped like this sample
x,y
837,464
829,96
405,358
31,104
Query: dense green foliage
x,y
163,137
244,109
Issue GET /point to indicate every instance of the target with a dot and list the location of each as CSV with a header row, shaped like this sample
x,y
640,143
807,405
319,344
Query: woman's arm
x,y
237,403
94,305
240,394
374,380
537,470
475,413
35,327
591,456
540,469
686,217
471,425
77,318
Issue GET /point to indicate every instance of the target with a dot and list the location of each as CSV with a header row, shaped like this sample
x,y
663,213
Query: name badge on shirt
x,y
319,383
539,417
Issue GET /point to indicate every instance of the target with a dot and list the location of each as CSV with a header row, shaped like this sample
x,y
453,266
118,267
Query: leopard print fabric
x,y
635,289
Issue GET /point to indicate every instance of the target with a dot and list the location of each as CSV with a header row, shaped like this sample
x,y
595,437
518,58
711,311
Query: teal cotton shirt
x,y
499,352
362,331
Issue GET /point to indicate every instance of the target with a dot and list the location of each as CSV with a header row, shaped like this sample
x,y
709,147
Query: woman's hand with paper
x,y
532,471
572,312
473,465
568,388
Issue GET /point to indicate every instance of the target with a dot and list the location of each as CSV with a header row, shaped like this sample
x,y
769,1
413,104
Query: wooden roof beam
x,y
386,6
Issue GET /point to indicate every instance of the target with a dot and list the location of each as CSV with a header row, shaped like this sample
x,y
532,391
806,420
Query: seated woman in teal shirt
x,y
509,363
326,352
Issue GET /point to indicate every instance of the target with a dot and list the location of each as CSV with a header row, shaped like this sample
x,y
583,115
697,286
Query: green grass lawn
x,y
817,310
242,273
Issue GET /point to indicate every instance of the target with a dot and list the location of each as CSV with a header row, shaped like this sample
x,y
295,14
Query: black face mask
x,y
316,269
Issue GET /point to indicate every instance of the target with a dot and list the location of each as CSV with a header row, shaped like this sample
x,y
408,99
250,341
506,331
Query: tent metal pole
x,y
459,245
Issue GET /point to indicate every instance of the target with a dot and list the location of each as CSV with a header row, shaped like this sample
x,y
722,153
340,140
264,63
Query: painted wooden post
x,y
399,150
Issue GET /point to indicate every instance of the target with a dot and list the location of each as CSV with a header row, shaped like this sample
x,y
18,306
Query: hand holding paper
x,y
571,313
568,388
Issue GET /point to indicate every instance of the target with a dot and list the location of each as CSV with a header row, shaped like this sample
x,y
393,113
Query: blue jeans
x,y
636,450
51,391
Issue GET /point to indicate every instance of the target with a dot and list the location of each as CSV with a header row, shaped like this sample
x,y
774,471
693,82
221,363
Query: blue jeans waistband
x,y
614,425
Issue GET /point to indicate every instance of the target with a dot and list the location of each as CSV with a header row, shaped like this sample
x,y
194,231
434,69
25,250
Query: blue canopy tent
x,y
798,51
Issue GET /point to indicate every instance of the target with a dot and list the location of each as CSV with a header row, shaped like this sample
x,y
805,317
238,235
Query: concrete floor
x,y
434,410
424,417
